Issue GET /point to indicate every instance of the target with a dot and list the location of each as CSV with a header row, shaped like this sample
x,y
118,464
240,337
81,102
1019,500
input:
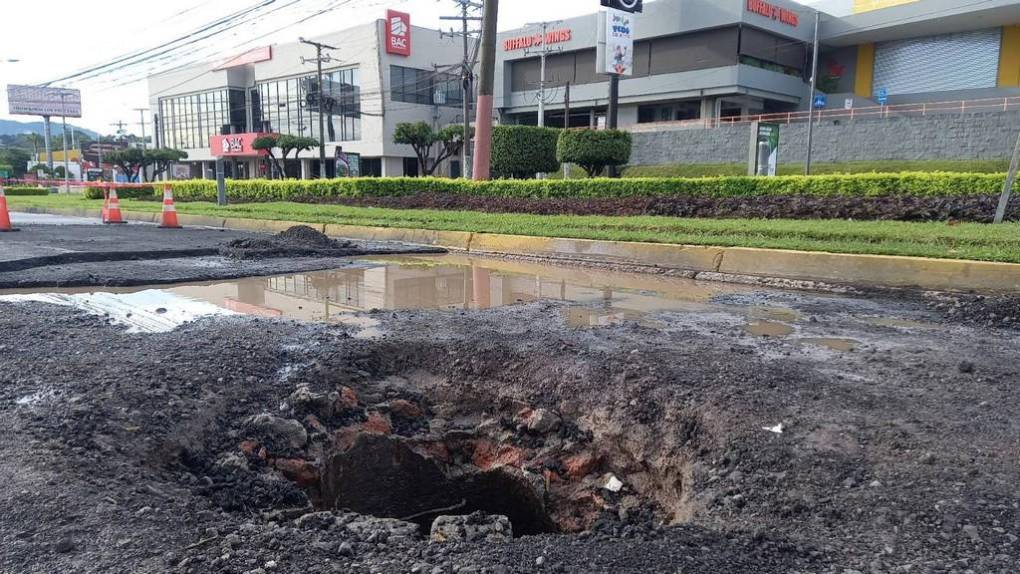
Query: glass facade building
x,y
414,86
291,106
187,122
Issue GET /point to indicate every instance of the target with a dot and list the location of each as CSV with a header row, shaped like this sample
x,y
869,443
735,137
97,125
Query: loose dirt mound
x,y
298,241
1001,311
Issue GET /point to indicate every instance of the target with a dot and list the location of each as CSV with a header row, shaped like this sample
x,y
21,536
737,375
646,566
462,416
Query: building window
x,y
188,122
292,106
414,86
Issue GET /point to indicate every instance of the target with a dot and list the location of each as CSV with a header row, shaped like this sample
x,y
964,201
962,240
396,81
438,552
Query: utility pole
x,y
48,136
1007,189
141,114
811,97
319,47
483,123
63,136
467,73
543,55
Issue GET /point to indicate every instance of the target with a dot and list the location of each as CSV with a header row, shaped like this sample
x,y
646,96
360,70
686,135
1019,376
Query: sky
x,y
79,38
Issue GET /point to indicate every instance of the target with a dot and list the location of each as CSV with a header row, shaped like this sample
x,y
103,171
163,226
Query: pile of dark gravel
x,y
1001,311
298,241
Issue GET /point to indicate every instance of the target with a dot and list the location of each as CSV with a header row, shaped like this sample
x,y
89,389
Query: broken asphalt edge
x,y
815,270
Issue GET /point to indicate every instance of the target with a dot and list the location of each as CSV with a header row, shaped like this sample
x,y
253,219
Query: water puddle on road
x,y
350,295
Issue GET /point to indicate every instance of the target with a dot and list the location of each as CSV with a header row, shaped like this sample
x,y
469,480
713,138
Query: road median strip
x,y
711,261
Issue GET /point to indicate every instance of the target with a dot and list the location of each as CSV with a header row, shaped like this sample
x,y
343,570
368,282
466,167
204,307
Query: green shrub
x,y
824,168
594,150
520,152
859,185
26,190
133,192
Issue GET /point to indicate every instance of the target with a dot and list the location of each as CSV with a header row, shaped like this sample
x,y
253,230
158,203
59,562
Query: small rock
x,y
540,561
542,421
64,545
613,484
232,541
475,527
972,531
279,433
346,549
967,367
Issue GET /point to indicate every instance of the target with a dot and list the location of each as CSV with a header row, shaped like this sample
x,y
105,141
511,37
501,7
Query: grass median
x,y
940,240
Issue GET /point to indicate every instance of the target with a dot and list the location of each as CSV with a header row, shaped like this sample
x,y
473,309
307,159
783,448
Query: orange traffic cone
x,y
169,211
5,216
113,210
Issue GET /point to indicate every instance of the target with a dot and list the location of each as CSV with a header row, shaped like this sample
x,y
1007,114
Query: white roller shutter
x,y
962,61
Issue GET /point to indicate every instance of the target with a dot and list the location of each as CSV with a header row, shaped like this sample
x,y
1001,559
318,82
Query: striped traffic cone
x,y
113,209
5,216
169,220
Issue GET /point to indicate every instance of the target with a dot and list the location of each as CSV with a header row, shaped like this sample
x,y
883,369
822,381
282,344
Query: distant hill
x,y
13,127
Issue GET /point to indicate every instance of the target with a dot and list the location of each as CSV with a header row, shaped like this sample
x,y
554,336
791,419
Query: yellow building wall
x,y
869,5
864,76
1009,57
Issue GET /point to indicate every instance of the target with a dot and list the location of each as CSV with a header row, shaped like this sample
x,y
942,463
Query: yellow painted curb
x,y
693,258
448,239
887,270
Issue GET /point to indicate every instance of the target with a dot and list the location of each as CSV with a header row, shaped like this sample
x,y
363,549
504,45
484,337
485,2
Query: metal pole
x,y
811,98
67,162
221,183
541,79
612,114
467,82
322,118
141,116
48,137
483,123
1007,189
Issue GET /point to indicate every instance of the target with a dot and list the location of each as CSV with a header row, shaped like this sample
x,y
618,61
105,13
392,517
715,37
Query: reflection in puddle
x,y
769,329
841,345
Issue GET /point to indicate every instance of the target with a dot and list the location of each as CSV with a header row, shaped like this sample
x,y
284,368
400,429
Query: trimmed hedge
x,y
520,152
135,192
594,150
25,190
859,185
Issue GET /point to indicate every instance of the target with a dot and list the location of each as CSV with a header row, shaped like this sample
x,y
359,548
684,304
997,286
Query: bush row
x,y
26,190
136,192
860,185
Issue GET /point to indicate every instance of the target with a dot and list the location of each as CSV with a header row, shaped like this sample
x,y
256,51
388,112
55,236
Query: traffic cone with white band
x,y
113,210
169,220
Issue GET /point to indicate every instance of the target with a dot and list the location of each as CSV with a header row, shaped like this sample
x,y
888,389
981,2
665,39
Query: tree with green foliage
x,y
521,152
594,150
161,160
17,160
423,140
130,161
286,144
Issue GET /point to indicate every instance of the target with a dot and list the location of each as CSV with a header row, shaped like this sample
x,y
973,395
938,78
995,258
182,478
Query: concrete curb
x,y
703,262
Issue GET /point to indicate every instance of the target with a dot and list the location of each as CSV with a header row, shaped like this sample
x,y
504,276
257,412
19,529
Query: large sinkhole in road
x,y
381,476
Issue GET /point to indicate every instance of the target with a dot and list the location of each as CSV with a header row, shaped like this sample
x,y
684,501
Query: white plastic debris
x,y
778,429
613,484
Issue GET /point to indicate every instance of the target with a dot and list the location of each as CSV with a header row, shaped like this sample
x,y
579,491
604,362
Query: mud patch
x,y
298,241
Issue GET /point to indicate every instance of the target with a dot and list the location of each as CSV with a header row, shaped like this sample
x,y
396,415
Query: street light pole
x,y
486,86
811,99
322,100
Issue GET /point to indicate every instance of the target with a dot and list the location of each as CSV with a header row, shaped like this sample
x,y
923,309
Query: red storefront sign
x,y
398,33
535,40
236,145
770,10
254,56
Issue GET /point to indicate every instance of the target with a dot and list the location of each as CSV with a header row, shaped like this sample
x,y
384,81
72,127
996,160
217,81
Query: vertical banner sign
x,y
398,33
619,43
765,148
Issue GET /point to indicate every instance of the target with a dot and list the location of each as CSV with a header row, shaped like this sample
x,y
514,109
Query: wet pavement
x,y
356,294
18,218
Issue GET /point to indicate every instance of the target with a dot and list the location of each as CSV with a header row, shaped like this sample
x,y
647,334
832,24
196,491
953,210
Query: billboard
x,y
235,145
398,33
625,5
619,43
39,101
764,149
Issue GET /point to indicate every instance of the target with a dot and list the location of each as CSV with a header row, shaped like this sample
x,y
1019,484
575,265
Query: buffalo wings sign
x,y
536,40
770,10
398,33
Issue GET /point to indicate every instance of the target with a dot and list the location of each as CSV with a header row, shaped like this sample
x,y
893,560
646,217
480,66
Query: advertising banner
x,y
619,43
764,149
37,101
347,164
398,33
